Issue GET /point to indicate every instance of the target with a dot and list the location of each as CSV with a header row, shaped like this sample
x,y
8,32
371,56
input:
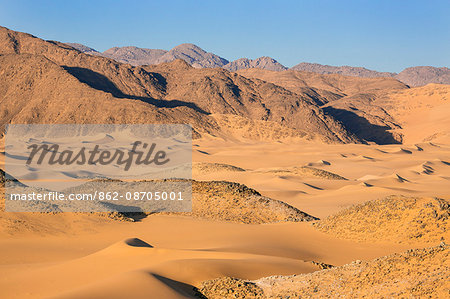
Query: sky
x,y
384,35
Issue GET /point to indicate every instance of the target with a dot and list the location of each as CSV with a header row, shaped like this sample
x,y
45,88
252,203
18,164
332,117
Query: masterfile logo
x,y
98,168
96,155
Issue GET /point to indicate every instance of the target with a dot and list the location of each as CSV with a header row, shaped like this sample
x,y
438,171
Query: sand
x,y
389,276
74,255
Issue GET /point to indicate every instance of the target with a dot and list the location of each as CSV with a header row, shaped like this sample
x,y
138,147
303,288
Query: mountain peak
x,y
188,46
194,55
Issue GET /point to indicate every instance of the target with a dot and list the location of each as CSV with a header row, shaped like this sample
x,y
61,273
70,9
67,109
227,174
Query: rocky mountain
x,y
48,81
194,55
266,63
341,70
423,75
134,55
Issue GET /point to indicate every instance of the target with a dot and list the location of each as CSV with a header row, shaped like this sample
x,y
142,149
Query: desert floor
x,y
162,256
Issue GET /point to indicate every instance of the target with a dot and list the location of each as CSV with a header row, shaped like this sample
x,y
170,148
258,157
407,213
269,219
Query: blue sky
x,y
377,34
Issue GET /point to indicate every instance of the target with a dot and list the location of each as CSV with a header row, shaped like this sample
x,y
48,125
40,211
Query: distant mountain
x,y
84,49
264,62
342,70
134,55
423,75
194,55
199,58
412,76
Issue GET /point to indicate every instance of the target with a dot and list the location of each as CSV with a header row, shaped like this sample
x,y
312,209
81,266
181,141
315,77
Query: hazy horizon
x,y
384,35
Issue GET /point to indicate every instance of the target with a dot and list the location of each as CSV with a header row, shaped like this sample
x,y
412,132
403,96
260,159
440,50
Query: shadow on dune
x,y
101,82
180,287
136,216
136,242
361,127
134,212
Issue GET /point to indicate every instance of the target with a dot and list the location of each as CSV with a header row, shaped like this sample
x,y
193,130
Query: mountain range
x,y
48,82
52,82
199,58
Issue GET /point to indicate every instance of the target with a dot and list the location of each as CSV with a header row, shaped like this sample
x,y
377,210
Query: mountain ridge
x,y
197,57
330,108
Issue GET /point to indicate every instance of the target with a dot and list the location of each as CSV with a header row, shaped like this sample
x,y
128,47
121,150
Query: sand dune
x,y
97,255
306,171
174,248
